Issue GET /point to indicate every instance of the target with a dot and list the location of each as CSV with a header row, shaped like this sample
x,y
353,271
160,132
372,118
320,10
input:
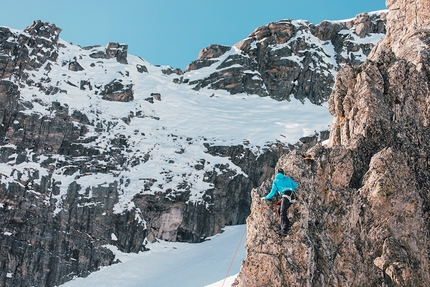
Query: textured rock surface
x,y
112,50
116,91
169,217
289,58
39,244
28,52
363,218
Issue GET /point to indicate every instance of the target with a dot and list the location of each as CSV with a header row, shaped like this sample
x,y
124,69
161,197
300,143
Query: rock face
x,y
289,58
40,244
27,52
173,219
363,218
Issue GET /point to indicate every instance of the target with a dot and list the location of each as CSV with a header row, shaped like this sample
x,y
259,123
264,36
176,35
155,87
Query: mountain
x,y
288,59
99,147
363,214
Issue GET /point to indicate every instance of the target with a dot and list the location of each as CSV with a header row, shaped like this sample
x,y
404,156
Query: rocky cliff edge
x,y
363,218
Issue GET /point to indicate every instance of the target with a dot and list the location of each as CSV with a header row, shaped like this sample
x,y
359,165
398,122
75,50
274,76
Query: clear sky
x,y
171,32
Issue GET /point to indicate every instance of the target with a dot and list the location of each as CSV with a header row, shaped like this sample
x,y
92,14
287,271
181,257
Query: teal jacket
x,y
280,184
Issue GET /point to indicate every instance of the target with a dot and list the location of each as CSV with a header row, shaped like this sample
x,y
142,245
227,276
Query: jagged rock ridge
x,y
289,59
363,216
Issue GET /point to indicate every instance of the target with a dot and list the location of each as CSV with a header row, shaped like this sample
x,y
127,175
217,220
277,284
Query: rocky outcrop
x,y
208,56
43,242
287,58
170,217
30,51
40,246
116,91
363,215
112,50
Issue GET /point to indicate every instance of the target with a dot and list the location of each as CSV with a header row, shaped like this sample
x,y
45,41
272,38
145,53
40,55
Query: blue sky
x,y
171,32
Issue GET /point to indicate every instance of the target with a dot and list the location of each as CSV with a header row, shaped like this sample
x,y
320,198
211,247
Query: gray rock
x,y
141,68
156,96
75,66
15,57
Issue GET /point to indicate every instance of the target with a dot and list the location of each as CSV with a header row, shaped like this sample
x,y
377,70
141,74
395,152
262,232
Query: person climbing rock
x,y
286,187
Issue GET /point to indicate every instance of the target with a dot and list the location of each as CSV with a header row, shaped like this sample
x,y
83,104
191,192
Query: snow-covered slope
x,y
171,133
175,264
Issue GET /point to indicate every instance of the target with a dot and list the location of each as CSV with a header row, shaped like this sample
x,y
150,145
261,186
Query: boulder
x,y
75,66
112,50
117,91
141,68
118,51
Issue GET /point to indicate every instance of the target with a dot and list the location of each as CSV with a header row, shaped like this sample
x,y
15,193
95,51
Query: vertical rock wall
x,y
363,218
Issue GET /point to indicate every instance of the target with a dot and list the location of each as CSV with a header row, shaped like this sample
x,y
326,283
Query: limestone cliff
x,y
363,218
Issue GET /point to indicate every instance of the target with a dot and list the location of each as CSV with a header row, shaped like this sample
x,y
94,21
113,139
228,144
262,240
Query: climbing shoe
x,y
283,232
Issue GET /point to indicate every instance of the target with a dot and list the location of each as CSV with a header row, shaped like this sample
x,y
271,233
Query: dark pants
x,y
283,213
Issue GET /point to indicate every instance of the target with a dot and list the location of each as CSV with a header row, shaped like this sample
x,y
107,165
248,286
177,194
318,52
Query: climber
x,y
286,187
